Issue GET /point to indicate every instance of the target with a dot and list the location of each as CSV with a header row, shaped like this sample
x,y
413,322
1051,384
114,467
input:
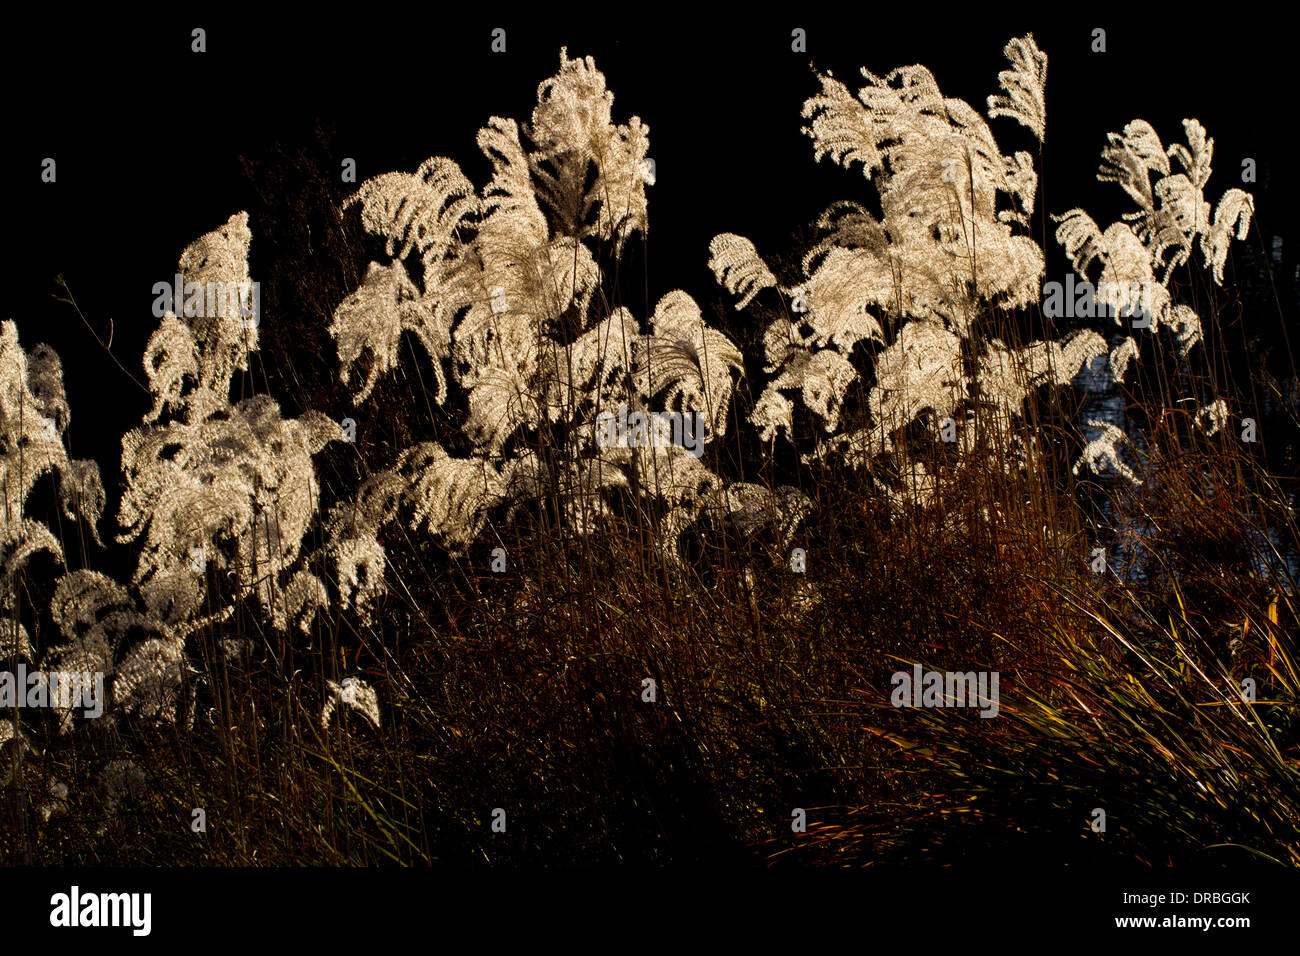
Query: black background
x,y
149,137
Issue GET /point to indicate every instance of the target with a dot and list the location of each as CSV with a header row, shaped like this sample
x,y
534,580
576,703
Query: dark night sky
x,y
148,135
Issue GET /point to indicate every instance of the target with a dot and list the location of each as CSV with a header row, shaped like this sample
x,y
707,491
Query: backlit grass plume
x,y
507,290
941,259
224,485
